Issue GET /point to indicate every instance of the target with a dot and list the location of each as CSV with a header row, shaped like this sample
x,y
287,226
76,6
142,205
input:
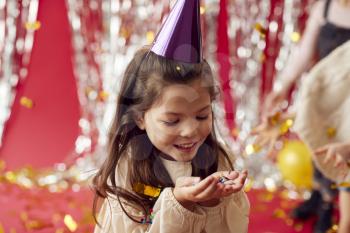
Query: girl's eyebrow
x,y
177,114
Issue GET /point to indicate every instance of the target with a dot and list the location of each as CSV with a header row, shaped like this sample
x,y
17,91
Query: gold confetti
x,y
333,229
266,197
33,25
87,218
248,185
147,190
59,230
2,230
24,216
150,37
289,222
262,31
275,119
70,223
285,126
252,149
2,165
279,213
26,102
331,132
178,68
298,227
202,10
341,185
151,191
295,37
124,32
34,224
103,95
235,132
10,177
262,57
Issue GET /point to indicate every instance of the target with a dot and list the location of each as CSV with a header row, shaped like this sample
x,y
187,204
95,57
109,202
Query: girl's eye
x,y
202,118
171,123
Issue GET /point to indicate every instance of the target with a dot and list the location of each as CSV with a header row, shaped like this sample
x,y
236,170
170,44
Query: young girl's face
x,y
180,120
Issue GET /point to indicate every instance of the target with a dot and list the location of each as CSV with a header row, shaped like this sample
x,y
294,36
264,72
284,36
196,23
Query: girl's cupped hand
x,y
207,192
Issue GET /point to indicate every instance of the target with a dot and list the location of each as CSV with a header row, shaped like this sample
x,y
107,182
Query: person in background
x,y
327,28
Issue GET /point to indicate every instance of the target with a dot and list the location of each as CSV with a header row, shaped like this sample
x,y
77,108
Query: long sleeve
x,y
303,54
230,216
169,217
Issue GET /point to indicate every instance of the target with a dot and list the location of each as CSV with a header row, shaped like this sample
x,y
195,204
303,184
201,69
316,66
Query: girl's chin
x,y
178,155
182,157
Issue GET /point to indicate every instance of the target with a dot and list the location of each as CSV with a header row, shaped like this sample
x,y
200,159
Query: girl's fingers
x,y
187,181
208,192
235,185
203,185
232,175
229,189
219,190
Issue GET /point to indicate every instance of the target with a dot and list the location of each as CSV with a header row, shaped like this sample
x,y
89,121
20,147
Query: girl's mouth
x,y
188,147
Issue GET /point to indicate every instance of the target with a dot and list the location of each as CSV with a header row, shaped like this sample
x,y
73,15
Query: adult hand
x,y
271,130
340,152
267,135
272,103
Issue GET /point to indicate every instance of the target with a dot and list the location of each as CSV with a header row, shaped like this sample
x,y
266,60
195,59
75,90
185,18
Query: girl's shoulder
x,y
122,170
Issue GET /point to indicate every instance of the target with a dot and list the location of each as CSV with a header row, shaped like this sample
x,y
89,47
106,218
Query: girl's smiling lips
x,y
186,147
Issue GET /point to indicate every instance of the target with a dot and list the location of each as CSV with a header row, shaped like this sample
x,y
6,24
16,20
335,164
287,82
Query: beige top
x,y
231,215
324,104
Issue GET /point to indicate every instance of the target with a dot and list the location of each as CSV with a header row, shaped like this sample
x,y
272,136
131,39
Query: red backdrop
x,y
46,133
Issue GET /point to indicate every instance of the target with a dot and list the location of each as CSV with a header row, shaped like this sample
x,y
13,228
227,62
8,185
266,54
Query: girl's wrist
x,y
182,200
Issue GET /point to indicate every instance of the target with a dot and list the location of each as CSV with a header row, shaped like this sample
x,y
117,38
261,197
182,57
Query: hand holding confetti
x,y
190,190
271,130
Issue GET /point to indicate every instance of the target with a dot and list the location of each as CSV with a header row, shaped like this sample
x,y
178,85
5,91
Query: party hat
x,y
180,37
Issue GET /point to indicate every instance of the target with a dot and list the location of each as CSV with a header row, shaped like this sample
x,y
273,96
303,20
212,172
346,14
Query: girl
x,y
165,171
162,140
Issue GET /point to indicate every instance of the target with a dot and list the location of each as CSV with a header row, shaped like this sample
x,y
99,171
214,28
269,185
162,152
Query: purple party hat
x,y
180,37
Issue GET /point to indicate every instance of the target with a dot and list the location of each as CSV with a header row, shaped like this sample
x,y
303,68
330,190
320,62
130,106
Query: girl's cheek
x,y
166,134
206,129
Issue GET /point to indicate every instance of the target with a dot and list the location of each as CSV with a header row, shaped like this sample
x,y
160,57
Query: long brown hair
x,y
145,77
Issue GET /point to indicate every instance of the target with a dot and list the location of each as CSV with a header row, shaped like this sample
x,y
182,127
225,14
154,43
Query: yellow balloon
x,y
295,163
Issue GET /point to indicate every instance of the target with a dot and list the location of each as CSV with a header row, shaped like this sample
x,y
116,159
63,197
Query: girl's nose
x,y
189,128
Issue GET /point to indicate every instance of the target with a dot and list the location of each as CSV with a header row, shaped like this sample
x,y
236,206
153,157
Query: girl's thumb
x,y
187,181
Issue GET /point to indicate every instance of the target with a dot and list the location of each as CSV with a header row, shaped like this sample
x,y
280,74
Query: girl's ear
x,y
140,122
